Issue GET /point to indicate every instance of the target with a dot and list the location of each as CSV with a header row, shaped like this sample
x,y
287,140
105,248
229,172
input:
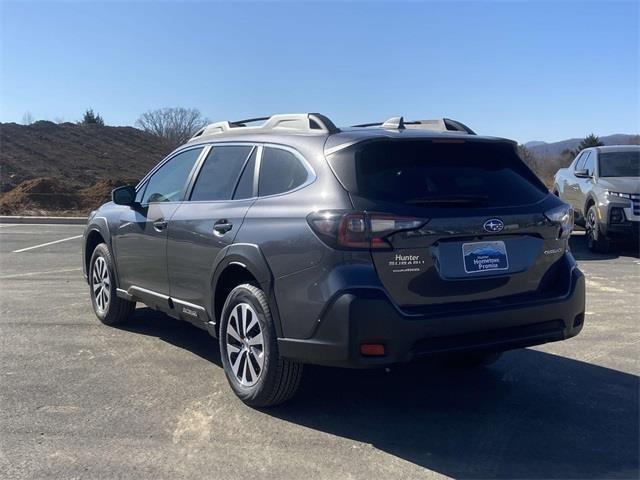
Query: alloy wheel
x,y
245,344
101,284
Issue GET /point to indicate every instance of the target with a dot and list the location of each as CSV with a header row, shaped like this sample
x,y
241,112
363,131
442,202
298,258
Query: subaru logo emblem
x,y
493,225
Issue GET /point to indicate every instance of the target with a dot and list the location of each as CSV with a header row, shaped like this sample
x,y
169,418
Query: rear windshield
x,y
429,173
620,164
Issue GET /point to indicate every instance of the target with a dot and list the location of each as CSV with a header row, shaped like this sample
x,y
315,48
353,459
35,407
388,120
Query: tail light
x,y
563,216
359,230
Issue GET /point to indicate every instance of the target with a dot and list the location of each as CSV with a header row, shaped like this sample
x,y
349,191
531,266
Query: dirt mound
x,y
78,156
51,196
48,168
39,194
100,192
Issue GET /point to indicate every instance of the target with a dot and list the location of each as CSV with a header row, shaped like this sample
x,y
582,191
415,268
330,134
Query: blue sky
x,y
525,70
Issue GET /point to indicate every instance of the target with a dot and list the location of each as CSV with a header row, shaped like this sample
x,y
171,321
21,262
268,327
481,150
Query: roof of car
x,y
350,136
321,127
617,148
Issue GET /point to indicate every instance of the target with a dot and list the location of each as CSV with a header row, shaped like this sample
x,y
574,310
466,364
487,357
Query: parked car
x,y
602,184
297,242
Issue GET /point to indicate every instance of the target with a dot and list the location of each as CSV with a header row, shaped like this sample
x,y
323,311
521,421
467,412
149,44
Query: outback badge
x,y
493,225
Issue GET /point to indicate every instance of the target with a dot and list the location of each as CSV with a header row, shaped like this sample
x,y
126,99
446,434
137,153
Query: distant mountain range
x,y
544,149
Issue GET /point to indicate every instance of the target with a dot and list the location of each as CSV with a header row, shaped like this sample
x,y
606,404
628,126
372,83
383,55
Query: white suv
x,y
602,184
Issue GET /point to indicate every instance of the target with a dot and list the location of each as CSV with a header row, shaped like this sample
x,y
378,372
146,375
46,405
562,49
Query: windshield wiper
x,y
449,200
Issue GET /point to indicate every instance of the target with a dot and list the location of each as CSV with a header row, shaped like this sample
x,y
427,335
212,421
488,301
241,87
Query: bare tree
x,y
27,118
529,158
175,125
635,140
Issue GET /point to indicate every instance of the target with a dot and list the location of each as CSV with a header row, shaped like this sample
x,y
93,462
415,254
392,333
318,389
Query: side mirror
x,y
124,195
582,173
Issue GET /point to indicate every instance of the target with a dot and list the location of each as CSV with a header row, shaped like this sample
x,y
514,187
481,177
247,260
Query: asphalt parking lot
x,y
150,400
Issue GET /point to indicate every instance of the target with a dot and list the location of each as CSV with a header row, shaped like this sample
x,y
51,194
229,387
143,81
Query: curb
x,y
44,220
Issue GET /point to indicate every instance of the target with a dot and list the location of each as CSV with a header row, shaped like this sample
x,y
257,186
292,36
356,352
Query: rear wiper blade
x,y
449,200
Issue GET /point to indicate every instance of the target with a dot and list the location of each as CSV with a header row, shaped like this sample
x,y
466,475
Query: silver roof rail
x,y
394,123
440,125
294,122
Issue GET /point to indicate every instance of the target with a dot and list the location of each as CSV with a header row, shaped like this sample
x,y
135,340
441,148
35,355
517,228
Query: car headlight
x,y
619,194
563,216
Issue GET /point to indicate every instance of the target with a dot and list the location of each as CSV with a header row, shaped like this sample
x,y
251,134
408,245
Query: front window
x,y
620,164
588,164
168,182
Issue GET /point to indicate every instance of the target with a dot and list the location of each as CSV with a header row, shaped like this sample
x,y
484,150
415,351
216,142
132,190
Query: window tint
x,y
245,185
620,164
579,162
430,174
280,171
220,172
588,163
167,183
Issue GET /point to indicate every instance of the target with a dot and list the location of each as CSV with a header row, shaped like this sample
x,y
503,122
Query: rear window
x,y
280,171
437,174
620,164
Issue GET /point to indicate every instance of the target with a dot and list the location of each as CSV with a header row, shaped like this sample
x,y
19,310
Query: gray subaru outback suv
x,y
296,242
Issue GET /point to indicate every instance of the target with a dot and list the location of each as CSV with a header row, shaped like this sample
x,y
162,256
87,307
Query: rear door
x,y
483,233
140,241
209,219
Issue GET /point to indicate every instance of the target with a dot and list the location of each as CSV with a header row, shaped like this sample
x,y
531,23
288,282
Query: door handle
x,y
221,227
160,225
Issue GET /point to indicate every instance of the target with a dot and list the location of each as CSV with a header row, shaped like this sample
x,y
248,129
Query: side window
x,y
140,193
579,161
245,184
280,171
583,159
167,184
588,163
220,172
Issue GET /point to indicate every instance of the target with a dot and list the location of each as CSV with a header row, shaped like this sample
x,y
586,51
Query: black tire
x,y
115,310
474,360
277,379
597,241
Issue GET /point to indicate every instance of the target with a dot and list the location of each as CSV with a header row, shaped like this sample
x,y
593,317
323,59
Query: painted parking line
x,y
46,272
46,244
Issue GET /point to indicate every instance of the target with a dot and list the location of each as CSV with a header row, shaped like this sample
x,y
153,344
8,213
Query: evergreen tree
x,y
90,118
591,140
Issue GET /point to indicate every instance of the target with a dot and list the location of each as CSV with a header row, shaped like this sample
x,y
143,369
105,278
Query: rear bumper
x,y
368,316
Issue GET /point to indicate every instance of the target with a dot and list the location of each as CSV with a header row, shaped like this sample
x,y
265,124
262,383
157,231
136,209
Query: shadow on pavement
x,y
175,332
531,415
